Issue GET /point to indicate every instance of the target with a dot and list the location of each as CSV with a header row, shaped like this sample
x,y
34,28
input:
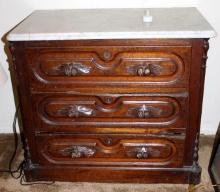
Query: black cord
x,y
19,168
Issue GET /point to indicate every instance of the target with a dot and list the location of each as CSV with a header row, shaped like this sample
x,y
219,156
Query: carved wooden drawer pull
x,y
74,69
76,111
144,70
78,151
144,112
143,153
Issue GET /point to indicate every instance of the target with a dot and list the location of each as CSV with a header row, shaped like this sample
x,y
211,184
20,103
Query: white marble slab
x,y
112,24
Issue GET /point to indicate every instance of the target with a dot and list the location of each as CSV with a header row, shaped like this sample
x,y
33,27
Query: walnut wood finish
x,y
111,150
125,65
111,110
70,112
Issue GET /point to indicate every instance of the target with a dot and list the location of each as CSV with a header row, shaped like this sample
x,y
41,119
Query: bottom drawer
x,y
110,150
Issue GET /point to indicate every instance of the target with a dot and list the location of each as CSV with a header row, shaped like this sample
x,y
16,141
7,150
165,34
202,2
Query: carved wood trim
x,y
13,60
196,149
196,169
205,52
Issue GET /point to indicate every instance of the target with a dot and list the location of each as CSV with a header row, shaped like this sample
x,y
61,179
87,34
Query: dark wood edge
x,y
214,150
105,42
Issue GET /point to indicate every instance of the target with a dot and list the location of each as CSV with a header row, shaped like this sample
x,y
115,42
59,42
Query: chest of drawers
x,y
111,110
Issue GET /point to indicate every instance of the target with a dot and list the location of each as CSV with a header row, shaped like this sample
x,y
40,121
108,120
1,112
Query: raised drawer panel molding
x,y
134,65
117,102
125,110
123,151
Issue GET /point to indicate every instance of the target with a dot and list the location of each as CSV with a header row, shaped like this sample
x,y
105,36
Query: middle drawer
x,y
90,113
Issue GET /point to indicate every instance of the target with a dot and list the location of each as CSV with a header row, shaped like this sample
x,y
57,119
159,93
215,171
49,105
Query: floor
x,y
8,184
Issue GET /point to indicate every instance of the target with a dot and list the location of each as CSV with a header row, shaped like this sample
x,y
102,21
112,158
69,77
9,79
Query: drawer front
x,y
110,150
64,112
146,66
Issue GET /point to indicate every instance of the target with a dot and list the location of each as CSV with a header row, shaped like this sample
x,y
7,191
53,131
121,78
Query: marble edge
x,y
110,35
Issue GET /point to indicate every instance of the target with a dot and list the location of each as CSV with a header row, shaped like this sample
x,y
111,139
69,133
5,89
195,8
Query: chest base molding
x,y
186,175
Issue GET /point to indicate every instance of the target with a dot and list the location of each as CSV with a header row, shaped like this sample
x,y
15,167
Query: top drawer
x,y
85,66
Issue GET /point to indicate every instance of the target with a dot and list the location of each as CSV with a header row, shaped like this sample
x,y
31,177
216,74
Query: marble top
x,y
112,24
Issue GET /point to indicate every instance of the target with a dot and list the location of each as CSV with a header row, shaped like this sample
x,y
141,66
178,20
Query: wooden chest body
x,y
111,110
